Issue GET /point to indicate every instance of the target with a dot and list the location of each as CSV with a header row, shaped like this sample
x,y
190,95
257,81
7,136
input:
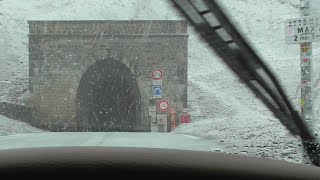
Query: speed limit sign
x,y
163,105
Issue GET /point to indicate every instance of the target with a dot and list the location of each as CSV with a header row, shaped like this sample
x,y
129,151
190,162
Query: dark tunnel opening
x,y
108,98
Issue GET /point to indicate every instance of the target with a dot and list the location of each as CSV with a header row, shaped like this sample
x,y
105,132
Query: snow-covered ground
x,y
122,139
11,127
220,106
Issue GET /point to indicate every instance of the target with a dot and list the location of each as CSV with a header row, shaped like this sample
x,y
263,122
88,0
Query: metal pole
x,y
306,76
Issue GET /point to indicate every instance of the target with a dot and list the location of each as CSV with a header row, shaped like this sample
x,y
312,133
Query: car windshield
x,y
136,73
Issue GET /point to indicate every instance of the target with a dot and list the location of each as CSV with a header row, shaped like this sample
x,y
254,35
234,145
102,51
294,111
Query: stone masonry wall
x,y
61,51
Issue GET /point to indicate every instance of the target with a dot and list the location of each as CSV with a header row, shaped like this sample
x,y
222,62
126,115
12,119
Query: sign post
x,y
157,76
306,75
173,118
304,31
306,72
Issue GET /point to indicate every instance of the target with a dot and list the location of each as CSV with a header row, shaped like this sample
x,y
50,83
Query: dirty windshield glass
x,y
135,73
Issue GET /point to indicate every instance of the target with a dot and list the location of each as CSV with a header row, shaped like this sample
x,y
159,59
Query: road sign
x,y
154,119
152,108
162,119
156,82
157,91
157,74
152,113
301,30
163,105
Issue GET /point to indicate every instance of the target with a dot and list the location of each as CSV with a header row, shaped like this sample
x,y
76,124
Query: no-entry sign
x,y
163,105
157,74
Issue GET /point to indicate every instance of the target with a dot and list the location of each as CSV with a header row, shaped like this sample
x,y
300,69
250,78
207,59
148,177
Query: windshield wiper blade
x,y
218,32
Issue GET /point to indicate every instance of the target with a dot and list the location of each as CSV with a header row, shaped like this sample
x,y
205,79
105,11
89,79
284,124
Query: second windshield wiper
x,y
218,32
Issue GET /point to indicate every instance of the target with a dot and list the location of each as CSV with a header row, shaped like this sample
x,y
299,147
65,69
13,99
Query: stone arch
x,y
108,98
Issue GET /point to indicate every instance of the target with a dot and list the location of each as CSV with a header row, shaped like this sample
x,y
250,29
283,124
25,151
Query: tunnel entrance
x,y
108,98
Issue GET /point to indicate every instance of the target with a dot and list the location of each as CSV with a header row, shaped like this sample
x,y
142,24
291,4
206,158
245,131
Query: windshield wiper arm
x,y
218,32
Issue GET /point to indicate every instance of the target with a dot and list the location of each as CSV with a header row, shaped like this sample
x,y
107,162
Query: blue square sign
x,y
157,91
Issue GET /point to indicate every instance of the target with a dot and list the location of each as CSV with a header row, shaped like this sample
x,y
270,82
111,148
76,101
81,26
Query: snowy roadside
x,y
10,127
268,140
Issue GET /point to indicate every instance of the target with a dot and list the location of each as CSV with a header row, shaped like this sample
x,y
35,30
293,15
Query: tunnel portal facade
x,y
97,75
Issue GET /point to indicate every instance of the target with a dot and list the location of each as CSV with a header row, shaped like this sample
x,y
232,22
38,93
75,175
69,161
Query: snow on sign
x,y
163,105
301,30
157,74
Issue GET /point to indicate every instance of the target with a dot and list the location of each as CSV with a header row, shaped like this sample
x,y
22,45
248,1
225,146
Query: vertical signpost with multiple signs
x,y
304,31
157,76
158,121
162,120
